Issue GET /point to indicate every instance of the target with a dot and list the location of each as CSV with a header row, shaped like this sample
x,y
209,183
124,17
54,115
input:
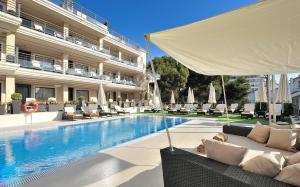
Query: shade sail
x,y
262,38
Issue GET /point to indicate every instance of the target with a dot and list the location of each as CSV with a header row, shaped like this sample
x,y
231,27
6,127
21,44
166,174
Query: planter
x,y
16,107
55,107
42,108
2,110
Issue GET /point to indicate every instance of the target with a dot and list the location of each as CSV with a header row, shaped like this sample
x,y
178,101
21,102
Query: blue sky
x,y
134,18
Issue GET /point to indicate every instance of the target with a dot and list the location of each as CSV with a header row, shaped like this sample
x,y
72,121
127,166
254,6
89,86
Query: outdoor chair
x,y
278,111
57,68
186,109
204,110
108,111
248,111
121,110
220,110
70,113
233,107
36,65
88,112
173,110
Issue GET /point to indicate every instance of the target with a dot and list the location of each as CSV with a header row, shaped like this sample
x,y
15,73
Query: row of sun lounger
x,y
70,113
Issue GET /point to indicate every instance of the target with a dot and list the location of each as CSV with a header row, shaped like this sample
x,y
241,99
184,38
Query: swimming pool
x,y
31,152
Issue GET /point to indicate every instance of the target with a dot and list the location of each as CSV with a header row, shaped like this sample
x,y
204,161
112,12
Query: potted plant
x,y
16,103
42,106
2,108
12,12
54,106
81,100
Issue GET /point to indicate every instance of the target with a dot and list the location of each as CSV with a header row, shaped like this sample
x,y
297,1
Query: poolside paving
x,y
136,163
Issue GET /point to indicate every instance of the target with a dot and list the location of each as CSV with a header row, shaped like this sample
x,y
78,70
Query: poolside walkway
x,y
136,163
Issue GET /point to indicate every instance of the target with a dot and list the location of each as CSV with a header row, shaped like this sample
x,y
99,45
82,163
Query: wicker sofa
x,y
182,168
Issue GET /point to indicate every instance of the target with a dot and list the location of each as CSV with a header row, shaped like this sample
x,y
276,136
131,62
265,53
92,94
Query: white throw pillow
x,y
265,164
290,175
224,152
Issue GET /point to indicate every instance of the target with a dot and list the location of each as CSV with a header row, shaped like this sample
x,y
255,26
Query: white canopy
x,y
101,96
212,94
172,100
262,38
284,93
261,96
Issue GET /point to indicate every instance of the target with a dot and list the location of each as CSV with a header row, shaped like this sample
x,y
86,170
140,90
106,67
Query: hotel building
x,y
57,48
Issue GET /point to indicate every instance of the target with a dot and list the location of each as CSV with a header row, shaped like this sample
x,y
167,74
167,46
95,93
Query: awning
x,y
262,38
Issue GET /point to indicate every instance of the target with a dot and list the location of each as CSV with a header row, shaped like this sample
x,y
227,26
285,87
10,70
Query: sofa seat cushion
x,y
293,159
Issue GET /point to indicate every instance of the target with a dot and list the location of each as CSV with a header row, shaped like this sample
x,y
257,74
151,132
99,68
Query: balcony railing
x,y
82,12
93,18
3,8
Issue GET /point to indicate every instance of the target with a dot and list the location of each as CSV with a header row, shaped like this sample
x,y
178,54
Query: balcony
x,y
9,19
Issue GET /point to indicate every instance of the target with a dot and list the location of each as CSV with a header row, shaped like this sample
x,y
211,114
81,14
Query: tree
x,y
237,91
173,76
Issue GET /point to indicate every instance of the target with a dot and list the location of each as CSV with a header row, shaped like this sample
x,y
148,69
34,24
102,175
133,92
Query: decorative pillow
x,y
259,133
293,159
284,139
222,137
290,175
265,164
224,152
281,126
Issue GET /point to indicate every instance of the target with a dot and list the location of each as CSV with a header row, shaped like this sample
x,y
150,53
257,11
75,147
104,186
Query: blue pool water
x,y
31,152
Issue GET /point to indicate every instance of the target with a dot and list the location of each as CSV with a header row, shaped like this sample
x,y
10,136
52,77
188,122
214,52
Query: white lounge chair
x,y
70,113
121,110
220,109
187,108
58,68
38,27
278,110
204,110
233,107
89,113
36,65
248,111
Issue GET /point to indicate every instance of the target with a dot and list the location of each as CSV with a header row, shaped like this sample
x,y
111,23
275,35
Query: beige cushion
x,y
224,152
290,175
259,133
284,139
280,126
293,159
265,164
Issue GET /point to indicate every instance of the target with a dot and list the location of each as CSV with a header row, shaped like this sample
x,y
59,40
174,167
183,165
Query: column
x,y
65,63
100,40
10,86
10,47
65,93
100,69
119,75
12,5
120,55
66,31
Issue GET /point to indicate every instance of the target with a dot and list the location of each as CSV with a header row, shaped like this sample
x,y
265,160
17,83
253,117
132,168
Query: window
x,y
84,93
43,94
2,6
71,64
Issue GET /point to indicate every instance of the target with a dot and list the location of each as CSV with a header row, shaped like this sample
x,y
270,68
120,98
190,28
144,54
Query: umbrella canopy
x,y
259,39
101,96
193,97
212,94
155,98
172,100
261,96
189,96
283,94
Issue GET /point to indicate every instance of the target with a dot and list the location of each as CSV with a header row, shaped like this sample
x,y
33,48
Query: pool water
x,y
31,152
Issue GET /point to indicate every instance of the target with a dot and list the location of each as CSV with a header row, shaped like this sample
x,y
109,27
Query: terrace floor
x,y
136,163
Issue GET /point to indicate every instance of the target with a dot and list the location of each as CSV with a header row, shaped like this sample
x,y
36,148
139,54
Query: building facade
x,y
57,48
295,91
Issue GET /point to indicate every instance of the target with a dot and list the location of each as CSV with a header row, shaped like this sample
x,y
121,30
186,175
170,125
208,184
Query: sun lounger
x,y
248,111
108,112
175,109
70,113
89,113
233,107
121,110
204,110
186,109
278,111
220,110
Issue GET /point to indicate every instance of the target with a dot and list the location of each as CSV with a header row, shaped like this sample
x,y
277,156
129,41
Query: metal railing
x,y
40,25
5,9
122,39
7,53
82,12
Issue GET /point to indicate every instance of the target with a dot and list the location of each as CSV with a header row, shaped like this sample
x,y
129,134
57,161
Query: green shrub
x,y
16,97
12,12
81,98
